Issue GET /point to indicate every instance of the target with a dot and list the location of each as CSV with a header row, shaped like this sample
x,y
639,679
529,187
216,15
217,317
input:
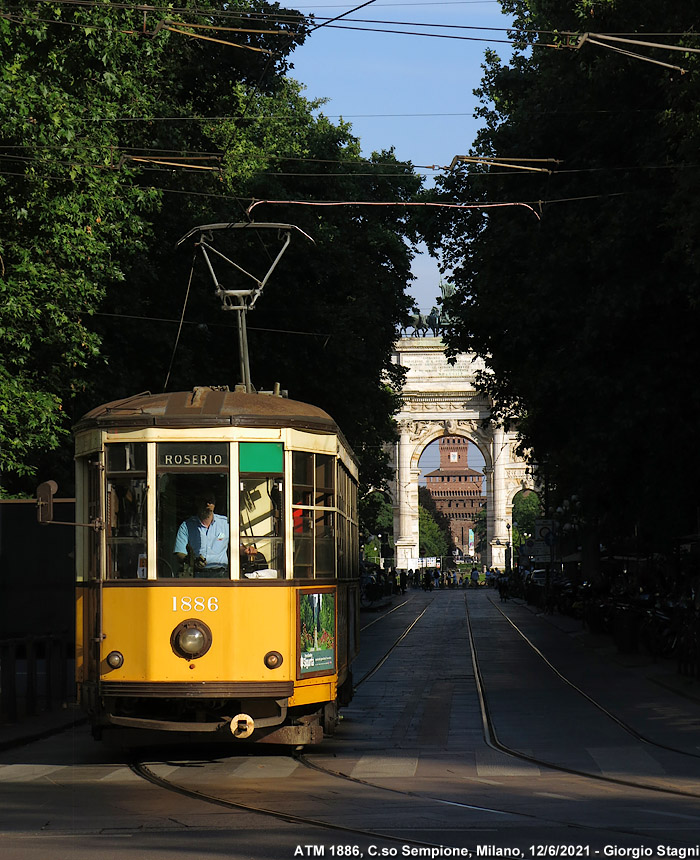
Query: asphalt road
x,y
454,745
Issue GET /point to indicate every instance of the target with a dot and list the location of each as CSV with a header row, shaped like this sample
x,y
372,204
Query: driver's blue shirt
x,y
211,542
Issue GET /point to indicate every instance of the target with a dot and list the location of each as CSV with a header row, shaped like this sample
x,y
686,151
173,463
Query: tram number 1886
x,y
187,603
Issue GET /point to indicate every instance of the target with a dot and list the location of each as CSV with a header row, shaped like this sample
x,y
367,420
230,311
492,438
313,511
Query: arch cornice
x,y
421,432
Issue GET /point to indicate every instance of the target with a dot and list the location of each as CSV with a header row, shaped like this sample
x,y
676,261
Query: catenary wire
x,y
291,14
330,23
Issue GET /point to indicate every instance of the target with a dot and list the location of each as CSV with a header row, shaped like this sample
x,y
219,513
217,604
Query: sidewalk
x,y
30,729
659,671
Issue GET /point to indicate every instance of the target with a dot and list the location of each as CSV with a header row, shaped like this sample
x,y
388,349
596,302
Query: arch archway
x,y
452,480
441,399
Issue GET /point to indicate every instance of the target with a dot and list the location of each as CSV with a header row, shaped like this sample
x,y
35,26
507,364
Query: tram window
x,y
325,468
313,492
303,543
261,533
192,510
190,542
126,457
346,526
325,544
302,478
94,476
125,520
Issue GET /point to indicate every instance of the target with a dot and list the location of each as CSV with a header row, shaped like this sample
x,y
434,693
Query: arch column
x,y
490,516
406,508
498,537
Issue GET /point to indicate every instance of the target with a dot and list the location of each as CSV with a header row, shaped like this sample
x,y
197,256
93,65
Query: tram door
x,y
89,633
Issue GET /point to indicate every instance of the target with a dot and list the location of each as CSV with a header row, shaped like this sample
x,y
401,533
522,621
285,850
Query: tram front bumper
x,y
302,734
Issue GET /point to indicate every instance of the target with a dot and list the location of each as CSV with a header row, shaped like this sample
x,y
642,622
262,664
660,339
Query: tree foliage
x,y
526,509
119,136
431,541
585,307
441,519
67,218
435,538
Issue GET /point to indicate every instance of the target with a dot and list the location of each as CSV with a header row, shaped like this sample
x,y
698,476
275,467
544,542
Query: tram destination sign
x,y
173,455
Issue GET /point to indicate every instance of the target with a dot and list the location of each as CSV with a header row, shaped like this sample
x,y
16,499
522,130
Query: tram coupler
x,y
242,726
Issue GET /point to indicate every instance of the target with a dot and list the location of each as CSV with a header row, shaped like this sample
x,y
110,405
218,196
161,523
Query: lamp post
x,y
508,565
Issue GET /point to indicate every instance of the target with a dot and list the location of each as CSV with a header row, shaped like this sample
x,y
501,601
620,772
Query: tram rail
x,y
500,813
491,738
621,723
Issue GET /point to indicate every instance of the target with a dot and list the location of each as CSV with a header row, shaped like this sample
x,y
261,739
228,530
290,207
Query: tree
x,y
480,532
526,509
441,519
585,306
68,220
432,541
378,514
94,99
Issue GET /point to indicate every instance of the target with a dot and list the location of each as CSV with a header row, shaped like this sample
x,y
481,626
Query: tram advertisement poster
x,y
317,634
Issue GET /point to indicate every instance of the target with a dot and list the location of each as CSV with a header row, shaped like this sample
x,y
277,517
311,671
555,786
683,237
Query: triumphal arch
x,y
441,399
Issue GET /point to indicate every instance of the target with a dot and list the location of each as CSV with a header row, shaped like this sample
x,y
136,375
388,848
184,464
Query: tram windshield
x,y
261,504
193,511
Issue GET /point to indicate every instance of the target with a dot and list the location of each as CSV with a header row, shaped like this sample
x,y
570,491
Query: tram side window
x,y
94,513
261,504
347,529
126,521
313,499
192,511
302,494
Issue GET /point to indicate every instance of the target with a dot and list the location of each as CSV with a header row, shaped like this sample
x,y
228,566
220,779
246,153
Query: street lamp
x,y
508,563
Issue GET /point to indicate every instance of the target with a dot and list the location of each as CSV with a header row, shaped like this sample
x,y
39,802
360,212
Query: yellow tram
x,y
217,583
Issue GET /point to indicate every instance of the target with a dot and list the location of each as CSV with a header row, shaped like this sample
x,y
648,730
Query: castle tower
x,y
457,491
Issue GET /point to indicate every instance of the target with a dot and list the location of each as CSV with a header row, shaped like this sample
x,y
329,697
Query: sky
x,y
413,93
410,92
430,460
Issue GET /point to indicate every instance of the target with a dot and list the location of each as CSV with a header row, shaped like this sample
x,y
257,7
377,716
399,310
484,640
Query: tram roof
x,y
207,407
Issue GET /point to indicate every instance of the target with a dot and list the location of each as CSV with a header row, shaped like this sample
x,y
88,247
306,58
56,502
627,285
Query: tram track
x,y
497,811
304,759
378,665
384,615
492,739
144,771
141,769
621,723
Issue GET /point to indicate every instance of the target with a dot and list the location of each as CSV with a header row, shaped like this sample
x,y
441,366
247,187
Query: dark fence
x,y
37,599
37,570
36,675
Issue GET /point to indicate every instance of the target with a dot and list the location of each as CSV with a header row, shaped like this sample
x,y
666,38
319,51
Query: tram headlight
x,y
115,659
273,659
191,639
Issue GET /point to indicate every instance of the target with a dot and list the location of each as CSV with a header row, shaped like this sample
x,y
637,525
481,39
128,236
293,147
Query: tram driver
x,y
202,540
